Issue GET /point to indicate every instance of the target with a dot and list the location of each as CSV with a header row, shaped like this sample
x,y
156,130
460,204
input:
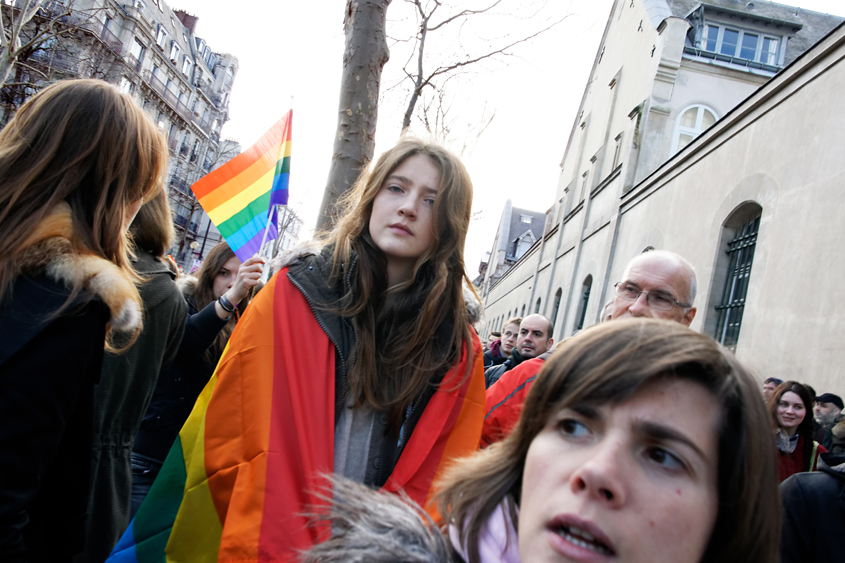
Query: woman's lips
x,y
400,229
579,539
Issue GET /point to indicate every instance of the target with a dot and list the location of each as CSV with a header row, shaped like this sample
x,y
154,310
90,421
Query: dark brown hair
x,y
204,293
608,363
84,143
805,429
395,353
152,229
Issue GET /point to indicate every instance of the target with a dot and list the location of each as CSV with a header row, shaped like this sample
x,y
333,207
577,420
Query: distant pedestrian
x,y
535,338
790,408
827,412
501,350
76,163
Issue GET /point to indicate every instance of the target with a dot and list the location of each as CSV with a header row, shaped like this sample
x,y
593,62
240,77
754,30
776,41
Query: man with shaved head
x,y
657,284
535,338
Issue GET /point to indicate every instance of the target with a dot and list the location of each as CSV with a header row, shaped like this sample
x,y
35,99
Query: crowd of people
x,y
347,410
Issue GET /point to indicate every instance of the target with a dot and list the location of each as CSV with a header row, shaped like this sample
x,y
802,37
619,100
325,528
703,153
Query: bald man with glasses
x,y
657,284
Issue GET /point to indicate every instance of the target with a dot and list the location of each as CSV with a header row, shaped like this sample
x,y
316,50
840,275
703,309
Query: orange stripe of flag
x,y
271,140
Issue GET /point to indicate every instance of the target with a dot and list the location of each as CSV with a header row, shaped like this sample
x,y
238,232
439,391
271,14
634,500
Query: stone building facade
x,y
152,52
748,194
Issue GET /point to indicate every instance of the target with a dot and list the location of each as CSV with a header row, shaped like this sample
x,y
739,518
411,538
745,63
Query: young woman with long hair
x,y
791,410
207,328
76,163
357,359
640,441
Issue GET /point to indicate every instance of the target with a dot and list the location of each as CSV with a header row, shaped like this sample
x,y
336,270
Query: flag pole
x,y
266,230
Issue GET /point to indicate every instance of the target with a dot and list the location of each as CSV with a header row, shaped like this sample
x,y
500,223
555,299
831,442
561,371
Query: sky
x,y
290,55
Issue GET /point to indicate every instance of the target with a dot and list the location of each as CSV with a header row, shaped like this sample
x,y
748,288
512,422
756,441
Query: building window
x,y
537,306
136,49
584,178
186,66
585,300
740,254
526,219
617,151
174,51
523,312
741,44
556,305
691,123
139,5
161,37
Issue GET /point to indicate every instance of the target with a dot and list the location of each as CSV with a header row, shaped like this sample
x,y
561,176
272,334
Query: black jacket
x,y
492,374
48,367
181,383
814,514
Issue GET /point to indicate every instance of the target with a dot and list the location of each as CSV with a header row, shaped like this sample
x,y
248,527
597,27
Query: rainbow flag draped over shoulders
x,y
239,195
249,461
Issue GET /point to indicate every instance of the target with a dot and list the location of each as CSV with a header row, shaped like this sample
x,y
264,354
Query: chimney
x,y
187,20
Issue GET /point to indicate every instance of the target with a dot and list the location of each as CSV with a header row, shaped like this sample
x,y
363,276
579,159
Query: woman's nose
x,y
408,207
601,475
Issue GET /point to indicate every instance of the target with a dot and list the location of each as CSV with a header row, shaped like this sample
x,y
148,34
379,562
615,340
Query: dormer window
x,y
741,44
174,51
736,38
161,37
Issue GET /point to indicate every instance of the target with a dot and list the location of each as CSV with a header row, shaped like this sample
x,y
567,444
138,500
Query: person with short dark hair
x,y
535,338
814,514
769,386
827,412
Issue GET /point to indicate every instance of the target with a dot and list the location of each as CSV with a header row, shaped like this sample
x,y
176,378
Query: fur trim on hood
x,y
49,249
374,526
475,309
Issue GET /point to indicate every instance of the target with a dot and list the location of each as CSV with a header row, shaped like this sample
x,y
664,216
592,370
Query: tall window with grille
x,y
741,256
585,300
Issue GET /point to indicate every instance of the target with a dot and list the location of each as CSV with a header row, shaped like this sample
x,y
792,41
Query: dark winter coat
x,y
493,374
814,514
121,399
181,383
48,365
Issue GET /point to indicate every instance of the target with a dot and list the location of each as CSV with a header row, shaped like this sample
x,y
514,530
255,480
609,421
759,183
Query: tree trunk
x,y
364,57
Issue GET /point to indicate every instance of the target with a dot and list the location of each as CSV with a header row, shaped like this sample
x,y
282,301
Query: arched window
x,y
691,123
556,305
585,300
523,311
736,249
537,306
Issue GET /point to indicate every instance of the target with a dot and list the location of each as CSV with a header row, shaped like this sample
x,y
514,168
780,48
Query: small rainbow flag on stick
x,y
240,195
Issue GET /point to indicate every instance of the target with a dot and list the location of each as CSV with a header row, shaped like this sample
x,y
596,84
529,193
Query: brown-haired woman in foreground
x,y
76,163
640,441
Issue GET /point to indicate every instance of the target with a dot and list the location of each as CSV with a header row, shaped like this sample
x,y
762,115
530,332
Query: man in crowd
x,y
498,353
769,386
658,284
535,333
828,413
491,338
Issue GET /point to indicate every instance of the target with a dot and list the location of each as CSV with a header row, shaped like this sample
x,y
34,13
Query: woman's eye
x,y
664,458
429,200
573,428
395,189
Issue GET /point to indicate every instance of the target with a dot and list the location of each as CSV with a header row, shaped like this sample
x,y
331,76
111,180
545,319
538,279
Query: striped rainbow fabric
x,y
248,465
239,195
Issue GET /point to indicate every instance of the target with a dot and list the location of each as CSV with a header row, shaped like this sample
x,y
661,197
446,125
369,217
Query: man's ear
x,y
550,344
689,315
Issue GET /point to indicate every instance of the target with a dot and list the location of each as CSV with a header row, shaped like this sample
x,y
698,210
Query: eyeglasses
x,y
657,301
